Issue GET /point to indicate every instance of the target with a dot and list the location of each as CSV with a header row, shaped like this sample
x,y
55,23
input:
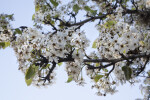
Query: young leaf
x,y
141,43
7,44
148,73
94,44
59,64
18,31
37,8
86,8
46,66
105,70
4,44
54,2
127,71
124,51
94,12
30,72
109,24
97,77
28,82
97,64
69,79
33,16
3,17
10,16
76,8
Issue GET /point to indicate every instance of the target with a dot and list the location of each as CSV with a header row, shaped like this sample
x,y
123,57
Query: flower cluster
x,y
32,45
118,39
104,87
122,36
5,27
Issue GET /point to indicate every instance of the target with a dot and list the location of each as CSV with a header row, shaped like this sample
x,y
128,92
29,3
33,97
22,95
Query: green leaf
x,y
28,82
56,16
97,77
105,70
148,73
88,62
100,14
110,23
4,44
87,8
46,66
69,79
127,71
18,31
10,16
133,8
59,64
30,72
3,17
52,22
124,51
54,2
37,8
48,17
76,8
94,12
97,64
7,44
141,43
94,44
33,16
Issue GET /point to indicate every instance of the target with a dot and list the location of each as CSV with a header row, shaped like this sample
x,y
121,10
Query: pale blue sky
x,y
13,86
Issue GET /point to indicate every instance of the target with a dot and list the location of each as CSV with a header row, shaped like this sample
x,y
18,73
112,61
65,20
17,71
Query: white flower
x,y
147,3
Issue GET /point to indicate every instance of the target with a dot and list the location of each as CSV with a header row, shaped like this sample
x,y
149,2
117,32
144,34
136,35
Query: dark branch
x,y
49,73
142,69
114,61
87,20
111,70
142,55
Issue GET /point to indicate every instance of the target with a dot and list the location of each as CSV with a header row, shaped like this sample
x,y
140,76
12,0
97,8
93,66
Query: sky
x,y
12,82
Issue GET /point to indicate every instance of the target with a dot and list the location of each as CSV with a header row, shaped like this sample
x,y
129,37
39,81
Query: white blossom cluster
x,y
104,86
118,37
73,70
47,13
147,3
145,89
5,27
51,46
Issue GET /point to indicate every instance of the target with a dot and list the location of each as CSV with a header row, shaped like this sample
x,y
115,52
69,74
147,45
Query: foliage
x,y
121,51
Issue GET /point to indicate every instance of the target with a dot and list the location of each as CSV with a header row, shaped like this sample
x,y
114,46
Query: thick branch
x,y
114,61
87,20
142,55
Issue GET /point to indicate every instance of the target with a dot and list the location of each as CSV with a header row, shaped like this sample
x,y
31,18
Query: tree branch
x,y
49,73
87,20
114,61
142,69
111,70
